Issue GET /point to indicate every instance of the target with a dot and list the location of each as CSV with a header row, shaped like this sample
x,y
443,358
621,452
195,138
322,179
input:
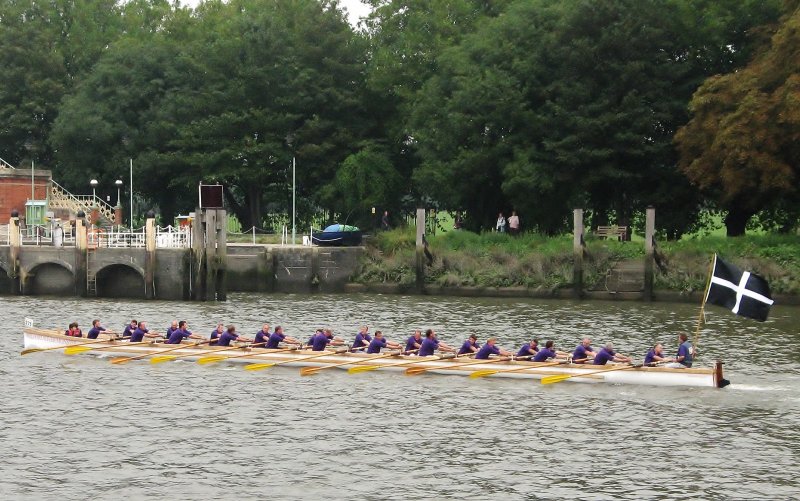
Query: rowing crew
x,y
423,346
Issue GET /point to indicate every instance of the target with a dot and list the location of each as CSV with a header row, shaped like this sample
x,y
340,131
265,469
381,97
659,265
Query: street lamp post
x,y
94,184
118,182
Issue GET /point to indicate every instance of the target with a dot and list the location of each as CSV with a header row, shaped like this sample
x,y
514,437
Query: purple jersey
x,y
544,354
319,342
215,334
170,330
94,332
466,347
361,340
604,356
685,351
262,337
580,353
487,350
226,338
128,331
376,344
650,358
428,347
177,336
412,342
527,351
138,335
275,340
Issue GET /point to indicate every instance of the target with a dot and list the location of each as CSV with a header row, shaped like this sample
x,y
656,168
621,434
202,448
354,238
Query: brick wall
x,y
15,190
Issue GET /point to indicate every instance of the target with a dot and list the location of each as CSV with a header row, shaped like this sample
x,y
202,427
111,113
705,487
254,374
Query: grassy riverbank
x,y
498,260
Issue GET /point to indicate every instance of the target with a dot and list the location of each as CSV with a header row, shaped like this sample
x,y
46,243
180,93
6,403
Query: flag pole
x,y
703,302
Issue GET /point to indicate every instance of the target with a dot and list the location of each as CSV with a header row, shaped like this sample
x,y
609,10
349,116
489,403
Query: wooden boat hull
x,y
654,376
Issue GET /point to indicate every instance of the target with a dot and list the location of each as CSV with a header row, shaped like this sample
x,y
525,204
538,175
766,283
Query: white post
x,y
293,200
131,223
33,193
254,235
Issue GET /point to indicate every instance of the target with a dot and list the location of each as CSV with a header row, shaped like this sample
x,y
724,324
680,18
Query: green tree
x,y
741,145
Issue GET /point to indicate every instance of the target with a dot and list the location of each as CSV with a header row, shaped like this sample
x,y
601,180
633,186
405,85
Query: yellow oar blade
x,y
257,367
483,373
414,370
210,359
162,358
120,360
74,350
555,379
30,350
309,371
363,368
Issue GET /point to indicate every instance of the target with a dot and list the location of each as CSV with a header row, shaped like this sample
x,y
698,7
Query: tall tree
x,y
741,146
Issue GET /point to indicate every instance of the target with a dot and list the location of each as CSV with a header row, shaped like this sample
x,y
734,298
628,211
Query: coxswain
x,y
685,355
216,333
529,349
381,342
172,328
181,333
128,330
414,342
431,344
141,332
262,336
583,351
95,330
656,355
73,330
607,354
362,339
278,337
470,345
230,335
549,351
491,349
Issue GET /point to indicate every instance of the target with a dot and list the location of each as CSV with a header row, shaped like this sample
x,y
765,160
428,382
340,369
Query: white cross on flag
x,y
743,293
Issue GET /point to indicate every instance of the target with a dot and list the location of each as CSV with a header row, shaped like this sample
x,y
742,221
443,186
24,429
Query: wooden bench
x,y
618,232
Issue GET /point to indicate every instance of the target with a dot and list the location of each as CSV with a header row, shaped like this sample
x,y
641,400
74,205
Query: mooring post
x,y
150,256
211,264
220,282
420,249
81,255
197,258
649,250
15,242
577,249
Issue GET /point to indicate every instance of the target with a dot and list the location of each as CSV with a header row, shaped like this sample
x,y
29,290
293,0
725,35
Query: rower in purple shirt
x,y
278,337
362,339
529,349
95,330
430,344
491,349
181,333
230,335
172,328
549,351
381,342
470,345
262,336
216,333
656,355
583,351
128,330
415,341
141,332
607,354
323,338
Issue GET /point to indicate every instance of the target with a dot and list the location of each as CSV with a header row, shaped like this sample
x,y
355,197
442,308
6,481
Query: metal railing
x,y
5,165
60,198
171,237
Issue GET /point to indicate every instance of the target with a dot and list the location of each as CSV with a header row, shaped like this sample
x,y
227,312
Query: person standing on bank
x,y
385,221
500,227
513,223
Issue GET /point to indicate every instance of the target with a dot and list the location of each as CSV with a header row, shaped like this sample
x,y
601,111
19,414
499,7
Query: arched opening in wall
x,y
119,280
50,278
5,283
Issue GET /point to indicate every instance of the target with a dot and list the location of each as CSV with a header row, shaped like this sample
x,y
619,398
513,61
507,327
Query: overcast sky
x,y
355,8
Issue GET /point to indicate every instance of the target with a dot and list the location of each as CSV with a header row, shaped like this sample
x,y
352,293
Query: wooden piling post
x,y
649,250
15,242
220,282
198,257
577,249
420,250
150,256
211,265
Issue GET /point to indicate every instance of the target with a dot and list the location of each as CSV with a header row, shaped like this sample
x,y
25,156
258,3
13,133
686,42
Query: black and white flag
x,y
743,293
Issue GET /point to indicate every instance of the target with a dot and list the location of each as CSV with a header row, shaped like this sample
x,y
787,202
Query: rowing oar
x,y
419,370
164,358
365,368
563,377
489,372
258,367
74,350
308,371
32,350
139,357
218,358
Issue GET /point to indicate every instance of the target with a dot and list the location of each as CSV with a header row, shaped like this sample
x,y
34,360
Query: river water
x,y
77,427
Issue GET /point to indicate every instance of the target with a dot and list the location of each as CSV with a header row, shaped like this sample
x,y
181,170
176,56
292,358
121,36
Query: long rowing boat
x,y
655,376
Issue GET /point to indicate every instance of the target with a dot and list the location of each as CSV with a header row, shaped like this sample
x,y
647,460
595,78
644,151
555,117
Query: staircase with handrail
x,y
60,198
